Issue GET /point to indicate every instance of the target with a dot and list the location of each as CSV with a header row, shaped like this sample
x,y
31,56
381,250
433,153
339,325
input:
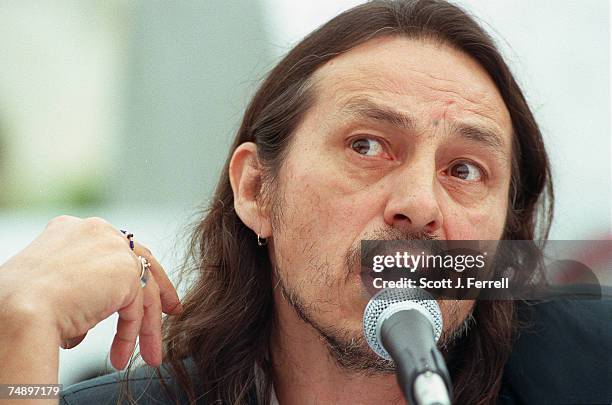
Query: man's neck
x,y
305,373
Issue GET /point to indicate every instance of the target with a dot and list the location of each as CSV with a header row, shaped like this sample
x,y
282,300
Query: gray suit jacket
x,y
144,386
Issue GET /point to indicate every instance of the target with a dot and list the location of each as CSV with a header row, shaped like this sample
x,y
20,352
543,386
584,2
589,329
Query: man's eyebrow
x,y
366,108
483,135
362,107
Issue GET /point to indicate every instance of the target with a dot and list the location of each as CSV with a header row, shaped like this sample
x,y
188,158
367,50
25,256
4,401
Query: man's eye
x,y
367,146
466,171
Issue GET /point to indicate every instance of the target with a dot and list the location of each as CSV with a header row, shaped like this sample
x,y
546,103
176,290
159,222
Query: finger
x,y
150,331
169,297
128,326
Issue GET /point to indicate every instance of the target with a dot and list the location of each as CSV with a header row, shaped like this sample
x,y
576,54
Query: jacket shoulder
x,y
143,385
562,355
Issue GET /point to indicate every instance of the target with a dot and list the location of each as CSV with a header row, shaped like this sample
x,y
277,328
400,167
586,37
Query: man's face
x,y
405,139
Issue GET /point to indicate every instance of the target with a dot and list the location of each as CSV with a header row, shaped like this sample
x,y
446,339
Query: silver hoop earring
x,y
261,241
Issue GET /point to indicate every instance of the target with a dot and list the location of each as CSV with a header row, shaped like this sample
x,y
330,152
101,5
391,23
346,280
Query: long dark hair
x,y
226,325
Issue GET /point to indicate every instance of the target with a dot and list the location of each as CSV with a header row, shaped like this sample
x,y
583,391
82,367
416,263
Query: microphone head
x,y
392,300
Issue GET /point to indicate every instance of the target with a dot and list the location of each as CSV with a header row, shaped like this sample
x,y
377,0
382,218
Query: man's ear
x,y
245,178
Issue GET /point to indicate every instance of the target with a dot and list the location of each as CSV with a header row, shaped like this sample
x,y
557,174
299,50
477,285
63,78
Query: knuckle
x,y
141,313
152,302
148,333
146,250
97,223
61,219
112,246
116,242
130,339
154,287
126,268
132,262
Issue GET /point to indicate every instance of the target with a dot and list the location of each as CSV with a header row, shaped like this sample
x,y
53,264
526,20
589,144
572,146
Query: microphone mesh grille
x,y
396,296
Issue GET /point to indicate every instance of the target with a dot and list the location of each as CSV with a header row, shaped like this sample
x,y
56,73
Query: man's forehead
x,y
407,74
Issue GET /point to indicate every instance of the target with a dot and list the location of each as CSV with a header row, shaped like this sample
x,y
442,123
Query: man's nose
x,y
413,205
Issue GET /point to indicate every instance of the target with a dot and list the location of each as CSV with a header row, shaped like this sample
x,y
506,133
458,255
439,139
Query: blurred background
x,y
126,110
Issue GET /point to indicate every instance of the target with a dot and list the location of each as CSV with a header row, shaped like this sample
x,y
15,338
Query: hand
x,y
78,272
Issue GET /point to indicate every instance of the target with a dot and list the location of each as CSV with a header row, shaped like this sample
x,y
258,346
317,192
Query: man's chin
x,y
351,352
346,345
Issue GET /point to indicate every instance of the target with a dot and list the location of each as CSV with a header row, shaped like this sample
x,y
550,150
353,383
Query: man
x,y
395,120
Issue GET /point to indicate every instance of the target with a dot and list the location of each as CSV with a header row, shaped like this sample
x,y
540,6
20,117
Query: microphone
x,y
403,325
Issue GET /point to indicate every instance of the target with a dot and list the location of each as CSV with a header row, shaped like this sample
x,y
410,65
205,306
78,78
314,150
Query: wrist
x,y
29,346
23,317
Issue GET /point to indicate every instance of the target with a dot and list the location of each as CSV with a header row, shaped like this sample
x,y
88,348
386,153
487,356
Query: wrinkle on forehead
x,y
388,75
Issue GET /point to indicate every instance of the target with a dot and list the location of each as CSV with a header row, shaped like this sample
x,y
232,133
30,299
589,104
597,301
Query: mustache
x,y
384,235
398,234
